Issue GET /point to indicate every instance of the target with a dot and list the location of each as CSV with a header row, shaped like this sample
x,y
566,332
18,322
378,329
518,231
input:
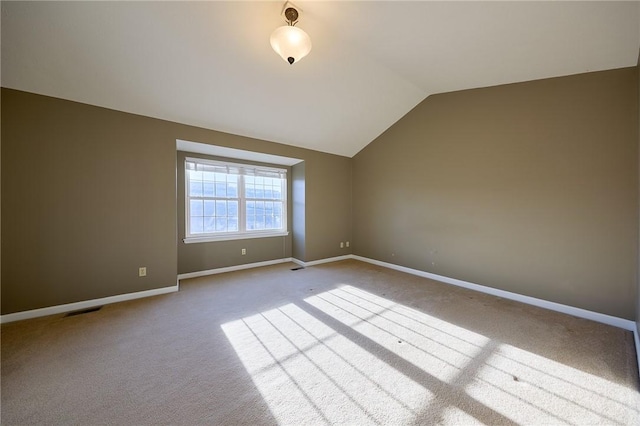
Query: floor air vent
x,y
83,311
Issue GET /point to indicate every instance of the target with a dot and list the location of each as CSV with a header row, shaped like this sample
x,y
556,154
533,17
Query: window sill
x,y
231,237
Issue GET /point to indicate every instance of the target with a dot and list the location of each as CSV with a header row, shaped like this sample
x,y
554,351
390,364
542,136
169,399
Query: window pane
x,y
268,222
250,191
277,222
221,177
277,208
221,208
221,224
196,225
221,189
259,191
232,208
268,192
249,179
268,207
209,224
210,176
232,224
251,222
209,208
195,188
232,190
259,180
193,175
255,222
251,208
259,208
195,207
207,189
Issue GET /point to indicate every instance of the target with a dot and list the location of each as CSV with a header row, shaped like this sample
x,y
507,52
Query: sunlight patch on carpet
x,y
308,373
348,356
437,347
522,385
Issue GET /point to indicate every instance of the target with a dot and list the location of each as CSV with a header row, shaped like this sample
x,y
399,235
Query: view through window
x,y
227,200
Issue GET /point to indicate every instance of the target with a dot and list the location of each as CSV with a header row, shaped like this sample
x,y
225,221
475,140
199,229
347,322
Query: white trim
x,y
553,306
69,307
558,307
320,261
298,262
230,237
260,264
244,169
232,268
570,310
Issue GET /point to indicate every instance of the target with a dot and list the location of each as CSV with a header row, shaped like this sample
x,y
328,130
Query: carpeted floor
x,y
341,343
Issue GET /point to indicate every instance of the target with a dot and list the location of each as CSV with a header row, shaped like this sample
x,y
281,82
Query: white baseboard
x,y
259,264
553,306
558,307
233,268
321,261
69,307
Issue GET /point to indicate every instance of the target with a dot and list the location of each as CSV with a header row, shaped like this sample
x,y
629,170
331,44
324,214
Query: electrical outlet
x,y
142,271
244,251
347,243
341,244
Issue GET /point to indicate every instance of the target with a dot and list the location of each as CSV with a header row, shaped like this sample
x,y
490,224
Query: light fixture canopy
x,y
289,41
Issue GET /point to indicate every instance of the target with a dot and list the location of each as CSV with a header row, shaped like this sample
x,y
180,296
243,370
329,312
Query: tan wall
x,y
89,195
327,179
531,188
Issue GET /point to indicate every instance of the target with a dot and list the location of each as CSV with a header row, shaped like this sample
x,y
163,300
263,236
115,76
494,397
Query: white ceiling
x,y
210,64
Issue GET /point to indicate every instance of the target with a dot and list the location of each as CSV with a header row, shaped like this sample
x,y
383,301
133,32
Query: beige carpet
x,y
342,343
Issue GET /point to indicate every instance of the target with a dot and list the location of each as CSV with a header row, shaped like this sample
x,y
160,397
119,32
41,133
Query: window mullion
x,y
187,206
283,203
242,204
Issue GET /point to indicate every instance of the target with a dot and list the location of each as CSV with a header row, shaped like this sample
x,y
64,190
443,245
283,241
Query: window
x,y
231,201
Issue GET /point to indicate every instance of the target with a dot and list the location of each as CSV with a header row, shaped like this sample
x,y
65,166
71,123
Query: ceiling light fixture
x,y
290,42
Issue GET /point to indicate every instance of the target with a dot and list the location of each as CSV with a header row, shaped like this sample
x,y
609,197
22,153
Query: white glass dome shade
x,y
291,43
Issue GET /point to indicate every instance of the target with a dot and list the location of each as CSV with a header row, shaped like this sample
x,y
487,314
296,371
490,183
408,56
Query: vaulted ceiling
x,y
209,64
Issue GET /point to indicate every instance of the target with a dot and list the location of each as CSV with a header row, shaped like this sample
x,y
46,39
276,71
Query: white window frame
x,y
241,170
